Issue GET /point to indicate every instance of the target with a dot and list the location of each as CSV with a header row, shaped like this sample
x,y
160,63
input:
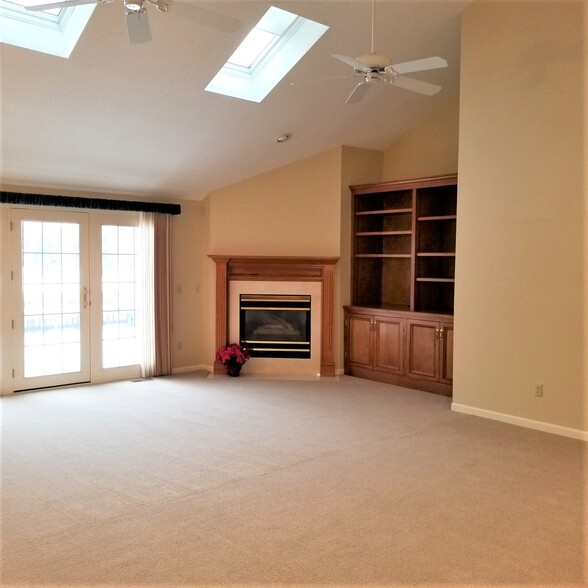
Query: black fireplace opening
x,y
275,325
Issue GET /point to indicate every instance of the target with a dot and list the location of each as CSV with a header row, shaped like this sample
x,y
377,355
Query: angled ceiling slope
x,y
126,118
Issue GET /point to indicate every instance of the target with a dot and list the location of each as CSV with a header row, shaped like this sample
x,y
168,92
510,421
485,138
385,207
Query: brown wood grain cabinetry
x,y
430,350
403,276
375,342
405,348
359,328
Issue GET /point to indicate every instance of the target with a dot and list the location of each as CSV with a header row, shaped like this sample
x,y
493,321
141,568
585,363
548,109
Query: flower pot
x,y
233,370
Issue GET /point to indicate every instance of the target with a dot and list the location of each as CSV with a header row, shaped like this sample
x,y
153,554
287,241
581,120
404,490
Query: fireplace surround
x,y
277,269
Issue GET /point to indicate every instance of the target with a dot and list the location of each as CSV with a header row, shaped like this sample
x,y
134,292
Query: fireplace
x,y
236,275
275,325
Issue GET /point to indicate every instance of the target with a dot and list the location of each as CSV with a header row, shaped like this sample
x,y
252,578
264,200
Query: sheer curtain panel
x,y
156,230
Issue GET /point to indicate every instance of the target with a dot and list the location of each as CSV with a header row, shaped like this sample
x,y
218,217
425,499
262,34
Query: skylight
x,y
255,44
270,50
55,31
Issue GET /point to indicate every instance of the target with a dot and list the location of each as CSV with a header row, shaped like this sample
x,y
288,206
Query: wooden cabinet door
x,y
360,329
446,353
388,344
422,349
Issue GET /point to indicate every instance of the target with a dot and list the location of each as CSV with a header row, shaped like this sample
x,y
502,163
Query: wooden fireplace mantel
x,y
281,269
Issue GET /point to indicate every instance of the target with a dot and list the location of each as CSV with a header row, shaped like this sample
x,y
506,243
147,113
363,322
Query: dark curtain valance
x,y
93,203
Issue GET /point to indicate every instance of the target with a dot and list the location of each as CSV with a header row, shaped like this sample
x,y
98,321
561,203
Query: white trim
x,y
55,35
521,422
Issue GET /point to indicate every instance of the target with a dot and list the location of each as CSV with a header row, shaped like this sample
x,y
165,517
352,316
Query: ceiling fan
x,y
373,67
136,15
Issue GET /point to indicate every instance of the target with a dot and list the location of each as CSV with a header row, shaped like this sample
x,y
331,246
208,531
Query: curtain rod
x,y
93,203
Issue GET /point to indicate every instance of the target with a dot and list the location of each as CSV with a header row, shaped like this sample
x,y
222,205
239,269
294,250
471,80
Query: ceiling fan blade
x,y
206,18
350,61
415,85
138,27
40,7
358,93
419,65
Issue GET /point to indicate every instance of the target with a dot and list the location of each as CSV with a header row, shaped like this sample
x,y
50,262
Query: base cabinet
x,y
409,349
375,342
430,350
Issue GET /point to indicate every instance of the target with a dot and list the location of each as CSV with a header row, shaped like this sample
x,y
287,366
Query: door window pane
x,y
32,237
51,294
120,337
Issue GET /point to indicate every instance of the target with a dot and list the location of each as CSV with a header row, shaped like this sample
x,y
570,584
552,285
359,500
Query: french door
x,y
75,285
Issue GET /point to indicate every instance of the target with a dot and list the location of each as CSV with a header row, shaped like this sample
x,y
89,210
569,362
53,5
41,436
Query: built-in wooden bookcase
x,y
404,245
404,272
383,248
436,215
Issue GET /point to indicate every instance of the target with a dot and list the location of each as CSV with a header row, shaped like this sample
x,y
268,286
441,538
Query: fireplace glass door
x,y
275,325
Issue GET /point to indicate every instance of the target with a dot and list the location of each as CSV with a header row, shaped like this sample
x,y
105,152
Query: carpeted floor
x,y
193,481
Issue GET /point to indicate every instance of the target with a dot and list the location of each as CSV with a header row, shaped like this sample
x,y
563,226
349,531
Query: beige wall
x,y
292,210
430,149
187,267
519,302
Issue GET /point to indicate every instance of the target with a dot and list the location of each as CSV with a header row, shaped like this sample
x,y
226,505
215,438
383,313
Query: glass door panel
x,y
50,292
120,269
116,316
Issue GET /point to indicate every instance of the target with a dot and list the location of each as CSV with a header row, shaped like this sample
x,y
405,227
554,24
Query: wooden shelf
x,y
382,233
384,255
403,230
438,218
387,211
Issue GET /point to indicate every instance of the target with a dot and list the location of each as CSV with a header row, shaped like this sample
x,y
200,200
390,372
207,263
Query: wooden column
x,y
327,334
222,309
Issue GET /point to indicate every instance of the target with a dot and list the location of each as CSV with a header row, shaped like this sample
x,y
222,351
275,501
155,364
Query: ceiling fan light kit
x,y
374,61
374,67
134,5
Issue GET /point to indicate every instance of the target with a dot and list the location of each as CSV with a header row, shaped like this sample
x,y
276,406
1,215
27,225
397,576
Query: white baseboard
x,y
192,368
521,422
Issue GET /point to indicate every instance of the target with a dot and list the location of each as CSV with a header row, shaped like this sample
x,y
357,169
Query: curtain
x,y
90,203
156,235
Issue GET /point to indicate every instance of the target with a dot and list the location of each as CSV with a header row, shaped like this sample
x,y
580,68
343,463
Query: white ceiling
x,y
135,119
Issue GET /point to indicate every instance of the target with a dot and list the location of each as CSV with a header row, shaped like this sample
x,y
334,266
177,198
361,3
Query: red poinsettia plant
x,y
233,354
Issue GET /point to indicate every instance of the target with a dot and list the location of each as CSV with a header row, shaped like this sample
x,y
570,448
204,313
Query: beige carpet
x,y
193,481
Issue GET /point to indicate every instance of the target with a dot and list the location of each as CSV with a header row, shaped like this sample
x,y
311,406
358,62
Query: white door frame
x,y
91,280
20,382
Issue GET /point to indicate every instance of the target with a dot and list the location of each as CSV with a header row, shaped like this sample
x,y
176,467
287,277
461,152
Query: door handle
x,y
84,297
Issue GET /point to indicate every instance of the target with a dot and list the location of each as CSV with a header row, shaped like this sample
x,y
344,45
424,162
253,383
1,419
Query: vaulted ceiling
x,y
135,119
